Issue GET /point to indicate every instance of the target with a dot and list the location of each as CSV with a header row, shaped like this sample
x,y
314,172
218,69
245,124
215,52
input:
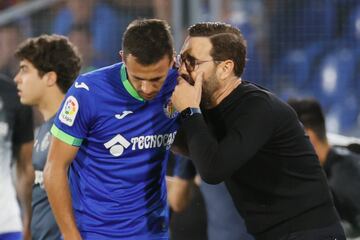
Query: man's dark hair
x,y
149,40
52,53
227,42
310,115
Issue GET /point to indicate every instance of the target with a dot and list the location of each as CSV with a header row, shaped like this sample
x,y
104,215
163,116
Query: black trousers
x,y
332,232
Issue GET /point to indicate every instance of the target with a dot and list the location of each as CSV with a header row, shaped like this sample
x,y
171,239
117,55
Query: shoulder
x,y
264,104
171,78
253,97
95,81
341,157
102,73
173,73
278,105
338,152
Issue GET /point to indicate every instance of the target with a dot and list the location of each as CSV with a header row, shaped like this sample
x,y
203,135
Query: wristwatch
x,y
187,112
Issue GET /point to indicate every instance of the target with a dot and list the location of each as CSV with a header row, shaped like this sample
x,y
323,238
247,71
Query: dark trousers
x,y
332,232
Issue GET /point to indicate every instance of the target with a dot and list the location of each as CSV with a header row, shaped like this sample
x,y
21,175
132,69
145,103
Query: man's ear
x,y
51,78
227,68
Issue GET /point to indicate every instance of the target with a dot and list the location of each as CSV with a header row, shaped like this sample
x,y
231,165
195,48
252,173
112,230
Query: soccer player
x,y
48,67
111,137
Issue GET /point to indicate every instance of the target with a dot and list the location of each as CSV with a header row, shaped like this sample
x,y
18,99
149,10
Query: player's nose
x,y
148,88
17,78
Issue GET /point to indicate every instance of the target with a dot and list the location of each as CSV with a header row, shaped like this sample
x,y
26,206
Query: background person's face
x,y
31,87
147,80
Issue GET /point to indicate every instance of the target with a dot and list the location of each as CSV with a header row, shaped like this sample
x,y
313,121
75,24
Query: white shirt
x,y
10,218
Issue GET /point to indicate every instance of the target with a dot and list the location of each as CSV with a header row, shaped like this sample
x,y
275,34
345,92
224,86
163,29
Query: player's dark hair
x,y
227,42
148,40
310,115
52,53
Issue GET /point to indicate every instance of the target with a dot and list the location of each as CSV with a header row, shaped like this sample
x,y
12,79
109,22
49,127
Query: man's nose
x,y
147,87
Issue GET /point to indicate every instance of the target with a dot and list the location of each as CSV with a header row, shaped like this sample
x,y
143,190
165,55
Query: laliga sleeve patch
x,y
69,111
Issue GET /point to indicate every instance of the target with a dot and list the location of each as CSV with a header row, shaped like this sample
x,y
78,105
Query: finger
x,y
182,81
185,77
180,78
198,81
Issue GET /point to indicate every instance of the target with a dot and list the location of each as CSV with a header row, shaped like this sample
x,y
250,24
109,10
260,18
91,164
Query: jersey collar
x,y
129,88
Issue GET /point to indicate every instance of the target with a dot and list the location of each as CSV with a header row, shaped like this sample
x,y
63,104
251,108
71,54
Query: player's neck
x,y
50,103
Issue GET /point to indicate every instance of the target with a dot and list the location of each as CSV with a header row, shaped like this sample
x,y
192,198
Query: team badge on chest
x,y
170,110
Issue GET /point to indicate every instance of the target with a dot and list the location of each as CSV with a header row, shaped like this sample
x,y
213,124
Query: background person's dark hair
x,y
149,40
52,53
227,41
310,114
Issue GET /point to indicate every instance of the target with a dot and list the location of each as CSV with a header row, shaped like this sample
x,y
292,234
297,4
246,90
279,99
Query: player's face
x,y
30,85
195,58
147,80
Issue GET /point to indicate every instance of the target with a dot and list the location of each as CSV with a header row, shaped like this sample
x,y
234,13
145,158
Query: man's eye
x,y
191,59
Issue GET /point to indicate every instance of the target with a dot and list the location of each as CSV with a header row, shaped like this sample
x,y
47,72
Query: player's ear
x,y
50,78
121,53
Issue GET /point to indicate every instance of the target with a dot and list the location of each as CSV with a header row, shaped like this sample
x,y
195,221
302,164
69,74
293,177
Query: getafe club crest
x,y
170,110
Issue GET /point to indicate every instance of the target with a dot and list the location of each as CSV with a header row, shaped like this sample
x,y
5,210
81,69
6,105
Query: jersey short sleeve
x,y
184,168
72,122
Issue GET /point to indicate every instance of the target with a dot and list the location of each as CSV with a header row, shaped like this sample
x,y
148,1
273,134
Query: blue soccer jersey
x,y
117,179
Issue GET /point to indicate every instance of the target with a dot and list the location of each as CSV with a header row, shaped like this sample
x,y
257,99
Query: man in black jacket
x,y
341,166
248,138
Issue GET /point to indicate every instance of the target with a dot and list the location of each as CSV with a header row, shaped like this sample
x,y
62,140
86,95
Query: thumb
x,y
180,81
198,81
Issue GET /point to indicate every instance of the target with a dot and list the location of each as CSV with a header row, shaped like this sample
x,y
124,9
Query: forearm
x,y
203,150
216,159
179,193
56,184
